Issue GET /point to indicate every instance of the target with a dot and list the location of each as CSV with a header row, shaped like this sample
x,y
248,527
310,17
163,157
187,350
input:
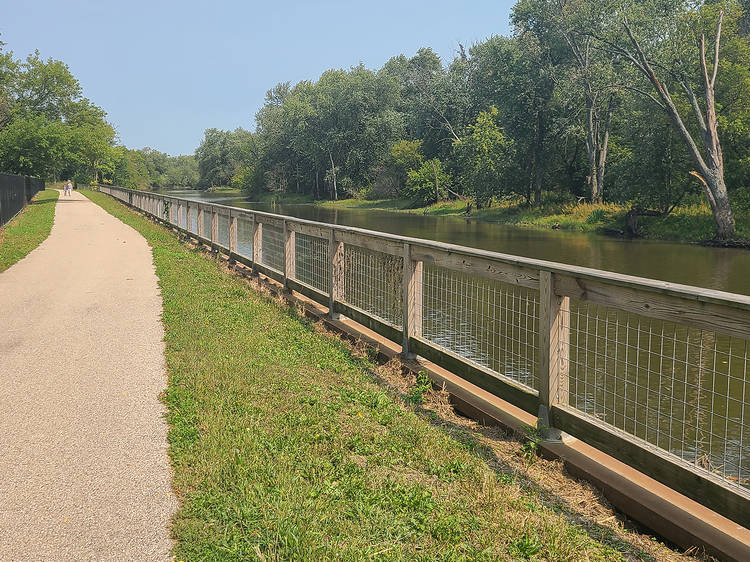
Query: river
x,y
725,269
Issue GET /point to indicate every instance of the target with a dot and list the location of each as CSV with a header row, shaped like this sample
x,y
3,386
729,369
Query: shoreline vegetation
x,y
690,223
288,442
28,229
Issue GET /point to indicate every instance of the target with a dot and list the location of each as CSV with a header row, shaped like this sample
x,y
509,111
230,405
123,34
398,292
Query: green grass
x,y
689,223
285,447
28,229
224,189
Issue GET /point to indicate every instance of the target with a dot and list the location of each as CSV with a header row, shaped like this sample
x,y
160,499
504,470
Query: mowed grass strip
x,y
284,447
28,229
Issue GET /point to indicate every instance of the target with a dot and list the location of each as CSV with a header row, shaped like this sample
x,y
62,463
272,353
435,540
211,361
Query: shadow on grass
x,y
43,201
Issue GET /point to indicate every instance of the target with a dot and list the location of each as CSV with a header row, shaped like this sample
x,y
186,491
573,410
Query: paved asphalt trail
x,y
84,472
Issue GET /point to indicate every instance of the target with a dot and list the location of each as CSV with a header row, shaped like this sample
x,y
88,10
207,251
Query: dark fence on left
x,y
15,193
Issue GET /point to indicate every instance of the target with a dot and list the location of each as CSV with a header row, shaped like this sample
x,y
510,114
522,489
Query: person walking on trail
x,y
68,190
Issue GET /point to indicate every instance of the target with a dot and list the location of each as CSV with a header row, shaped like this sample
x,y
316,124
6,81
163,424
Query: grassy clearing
x,y
286,445
689,223
27,230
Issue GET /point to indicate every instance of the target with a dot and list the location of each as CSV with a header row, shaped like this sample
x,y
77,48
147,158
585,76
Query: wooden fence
x,y
652,373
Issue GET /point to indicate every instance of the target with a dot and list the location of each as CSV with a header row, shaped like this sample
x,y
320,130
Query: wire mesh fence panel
x,y
207,224
311,265
273,247
245,237
223,230
683,390
490,323
170,211
193,226
372,282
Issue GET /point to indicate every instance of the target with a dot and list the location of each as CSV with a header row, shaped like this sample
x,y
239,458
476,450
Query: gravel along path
x,y
84,472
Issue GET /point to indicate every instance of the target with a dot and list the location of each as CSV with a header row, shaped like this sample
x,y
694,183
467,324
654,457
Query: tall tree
x,y
674,62
572,23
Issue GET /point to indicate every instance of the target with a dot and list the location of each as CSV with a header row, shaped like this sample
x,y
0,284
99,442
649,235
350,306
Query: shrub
x,y
420,184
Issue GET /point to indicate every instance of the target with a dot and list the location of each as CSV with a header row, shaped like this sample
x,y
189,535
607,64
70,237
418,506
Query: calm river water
x,y
715,268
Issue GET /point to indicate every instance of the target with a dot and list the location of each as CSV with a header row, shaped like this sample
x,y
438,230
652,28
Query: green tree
x,y
406,155
587,77
45,87
485,155
429,183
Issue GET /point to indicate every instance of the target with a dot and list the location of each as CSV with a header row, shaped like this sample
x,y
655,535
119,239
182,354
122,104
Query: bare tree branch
x,y
642,92
693,99
716,48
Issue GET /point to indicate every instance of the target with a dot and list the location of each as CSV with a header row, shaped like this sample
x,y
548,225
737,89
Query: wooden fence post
x,y
214,226
200,222
336,267
554,351
290,255
411,296
232,236
257,244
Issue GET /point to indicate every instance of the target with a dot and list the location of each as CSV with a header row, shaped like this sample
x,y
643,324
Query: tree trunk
x,y
592,149
437,186
538,162
333,173
317,189
718,198
603,149
581,49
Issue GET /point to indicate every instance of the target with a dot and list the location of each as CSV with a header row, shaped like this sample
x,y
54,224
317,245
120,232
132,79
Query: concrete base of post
x,y
547,433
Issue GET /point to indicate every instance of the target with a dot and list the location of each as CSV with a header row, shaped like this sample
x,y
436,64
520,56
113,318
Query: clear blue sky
x,y
165,70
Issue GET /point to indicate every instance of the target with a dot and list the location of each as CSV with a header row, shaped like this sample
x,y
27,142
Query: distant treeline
x,y
49,130
644,102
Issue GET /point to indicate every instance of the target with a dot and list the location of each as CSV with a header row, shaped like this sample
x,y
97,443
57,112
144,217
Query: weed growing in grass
x,y
527,546
531,439
416,394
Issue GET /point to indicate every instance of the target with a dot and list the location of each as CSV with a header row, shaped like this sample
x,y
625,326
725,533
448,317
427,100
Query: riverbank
x,y
27,230
286,443
689,223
